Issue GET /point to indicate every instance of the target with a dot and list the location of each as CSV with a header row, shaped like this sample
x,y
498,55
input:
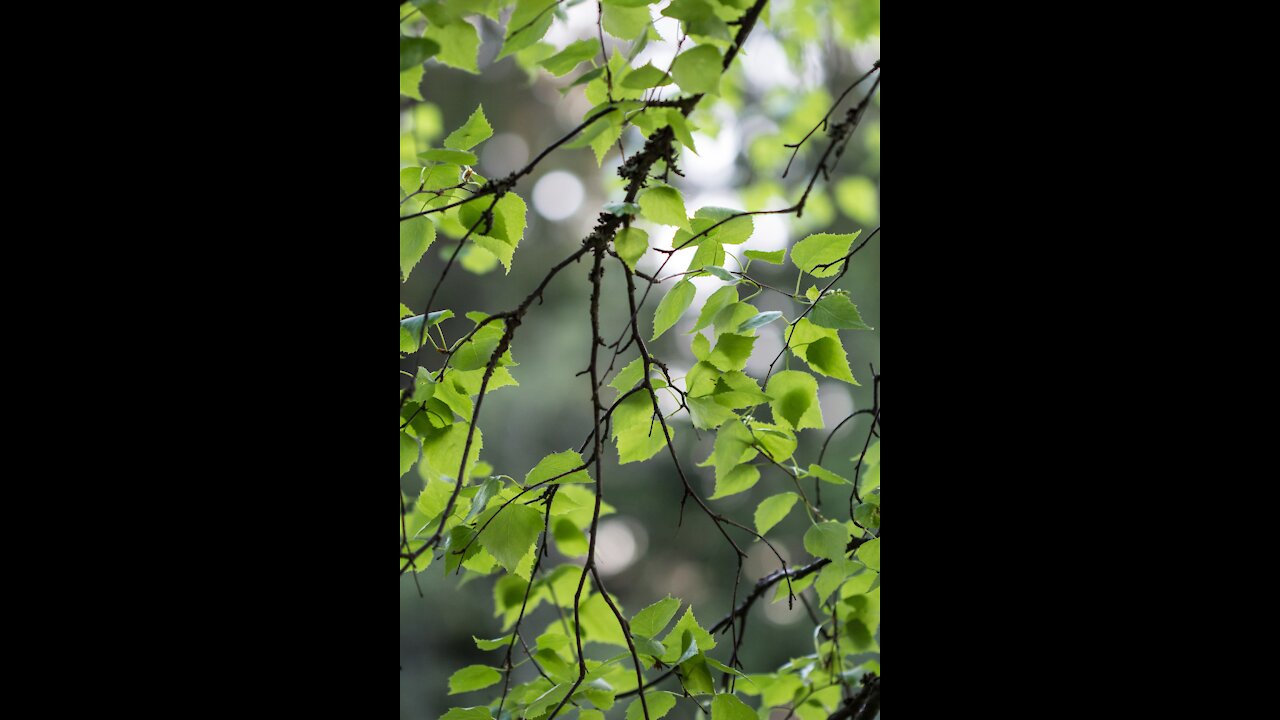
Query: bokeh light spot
x,y
558,195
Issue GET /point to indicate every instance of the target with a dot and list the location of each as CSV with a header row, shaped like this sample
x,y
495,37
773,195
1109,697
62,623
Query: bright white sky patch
x,y
766,64
581,25
668,28
659,54
773,232
660,236
714,164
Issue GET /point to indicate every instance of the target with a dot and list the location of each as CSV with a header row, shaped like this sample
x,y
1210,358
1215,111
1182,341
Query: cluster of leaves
x,y
470,518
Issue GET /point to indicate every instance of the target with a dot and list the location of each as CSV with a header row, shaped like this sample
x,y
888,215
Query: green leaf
x,y
837,312
459,45
411,82
480,502
416,237
598,90
674,639
475,131
707,413
731,352
723,298
672,307
816,251
873,455
709,252
700,19
638,433
759,321
562,466
631,245
503,238
411,329
689,651
476,713
729,707
783,592
553,664
646,77
511,534
622,209
606,125
630,376
659,704
648,646
724,275
490,645
604,143
458,401
733,448
828,357
475,677
822,349
409,453
739,480
774,510
861,623
773,258
725,669
737,390
542,705
870,480
456,157
664,206
733,317
684,132
528,24
731,227
478,351
583,79
508,592
655,618
827,476
869,554
698,70
442,450
626,23
600,624
570,539
867,515
833,576
563,62
795,400
415,51
829,540
701,348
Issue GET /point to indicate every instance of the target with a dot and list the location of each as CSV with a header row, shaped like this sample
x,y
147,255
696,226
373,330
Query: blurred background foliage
x,y
801,57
